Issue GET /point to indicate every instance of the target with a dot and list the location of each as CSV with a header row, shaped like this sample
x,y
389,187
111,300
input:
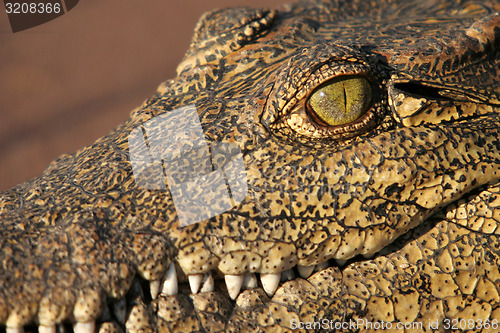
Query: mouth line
x,y
232,287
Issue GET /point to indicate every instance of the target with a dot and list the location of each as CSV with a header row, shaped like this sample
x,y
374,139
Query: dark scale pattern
x,y
397,213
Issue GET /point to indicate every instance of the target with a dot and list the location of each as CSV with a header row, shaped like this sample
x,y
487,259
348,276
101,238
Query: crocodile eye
x,y
340,101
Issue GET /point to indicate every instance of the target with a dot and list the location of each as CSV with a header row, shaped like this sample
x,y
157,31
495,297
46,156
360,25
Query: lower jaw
x,y
217,311
202,311
253,309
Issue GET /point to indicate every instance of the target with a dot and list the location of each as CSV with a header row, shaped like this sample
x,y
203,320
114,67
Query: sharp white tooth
x,y
170,285
287,275
209,284
84,327
154,288
250,281
120,310
305,271
14,329
195,282
47,329
270,282
340,262
233,284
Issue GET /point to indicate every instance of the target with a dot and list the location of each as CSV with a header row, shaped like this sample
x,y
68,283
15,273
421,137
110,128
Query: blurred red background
x,y
67,82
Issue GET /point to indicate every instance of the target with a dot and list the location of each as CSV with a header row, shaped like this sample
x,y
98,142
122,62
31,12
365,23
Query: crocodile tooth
x,y
47,329
154,288
305,271
209,284
287,275
120,310
340,262
368,255
195,282
270,282
136,290
170,285
250,281
322,266
233,284
88,327
16,329
106,313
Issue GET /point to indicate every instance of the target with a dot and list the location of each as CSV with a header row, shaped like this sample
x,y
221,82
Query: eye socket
x,y
340,101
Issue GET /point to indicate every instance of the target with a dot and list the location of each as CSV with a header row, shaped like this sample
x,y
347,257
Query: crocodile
x,y
328,166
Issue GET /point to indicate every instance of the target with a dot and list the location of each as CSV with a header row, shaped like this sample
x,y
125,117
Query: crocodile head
x,y
326,166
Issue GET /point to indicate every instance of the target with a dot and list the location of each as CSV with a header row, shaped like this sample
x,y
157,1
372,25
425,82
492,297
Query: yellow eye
x,y
340,101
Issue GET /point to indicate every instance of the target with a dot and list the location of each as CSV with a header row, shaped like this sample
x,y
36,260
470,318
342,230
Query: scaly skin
x,y
414,186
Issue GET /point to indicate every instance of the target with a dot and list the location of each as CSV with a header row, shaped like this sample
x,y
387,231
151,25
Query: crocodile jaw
x,y
84,238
